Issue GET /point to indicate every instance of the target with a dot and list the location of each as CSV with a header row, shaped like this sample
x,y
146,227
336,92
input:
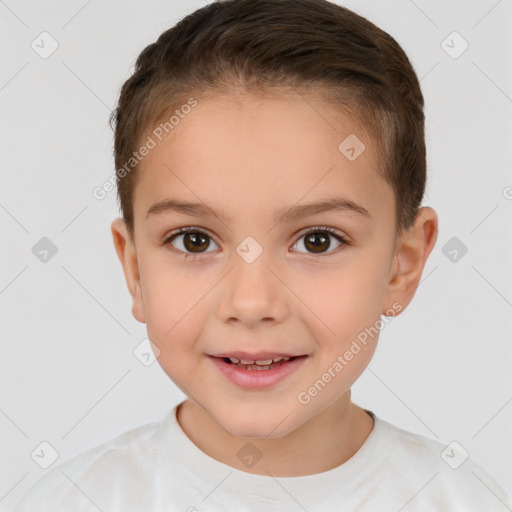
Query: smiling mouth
x,y
266,364
257,374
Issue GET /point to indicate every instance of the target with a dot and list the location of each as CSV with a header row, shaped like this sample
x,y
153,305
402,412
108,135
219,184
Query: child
x,y
271,165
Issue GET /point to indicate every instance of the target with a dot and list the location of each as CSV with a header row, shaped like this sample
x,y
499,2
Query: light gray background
x,y
68,374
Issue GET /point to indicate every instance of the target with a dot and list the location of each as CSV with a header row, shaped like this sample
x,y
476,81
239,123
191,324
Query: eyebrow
x,y
286,214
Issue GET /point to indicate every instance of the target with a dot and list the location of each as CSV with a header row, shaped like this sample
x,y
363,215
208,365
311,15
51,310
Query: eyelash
x,y
315,229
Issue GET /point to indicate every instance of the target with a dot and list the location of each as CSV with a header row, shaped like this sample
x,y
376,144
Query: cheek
x,y
349,304
174,323
348,297
174,305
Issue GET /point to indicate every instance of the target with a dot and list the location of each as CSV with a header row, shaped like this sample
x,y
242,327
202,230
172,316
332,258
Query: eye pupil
x,y
319,242
193,241
196,242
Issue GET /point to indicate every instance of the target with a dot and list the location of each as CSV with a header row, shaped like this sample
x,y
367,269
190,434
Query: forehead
x,y
246,153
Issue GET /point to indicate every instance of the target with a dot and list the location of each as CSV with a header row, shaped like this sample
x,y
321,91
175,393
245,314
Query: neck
x,y
323,443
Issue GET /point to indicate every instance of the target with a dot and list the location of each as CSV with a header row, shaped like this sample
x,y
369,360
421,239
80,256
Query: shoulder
x,y
92,477
444,475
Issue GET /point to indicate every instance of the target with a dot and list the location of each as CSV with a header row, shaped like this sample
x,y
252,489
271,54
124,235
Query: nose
x,y
252,294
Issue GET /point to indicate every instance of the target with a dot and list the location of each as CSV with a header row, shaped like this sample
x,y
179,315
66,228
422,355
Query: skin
x,y
247,156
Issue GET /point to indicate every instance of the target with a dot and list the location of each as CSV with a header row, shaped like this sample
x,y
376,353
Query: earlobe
x,y
413,250
125,248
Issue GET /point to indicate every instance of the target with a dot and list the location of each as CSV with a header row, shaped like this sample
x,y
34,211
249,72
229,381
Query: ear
x,y
412,250
125,248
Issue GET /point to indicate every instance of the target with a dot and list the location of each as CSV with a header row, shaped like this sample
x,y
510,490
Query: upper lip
x,y
255,356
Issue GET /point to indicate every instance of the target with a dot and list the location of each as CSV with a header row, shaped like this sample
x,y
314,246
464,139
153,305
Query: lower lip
x,y
257,379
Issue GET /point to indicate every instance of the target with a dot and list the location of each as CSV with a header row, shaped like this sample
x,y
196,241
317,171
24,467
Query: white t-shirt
x,y
156,467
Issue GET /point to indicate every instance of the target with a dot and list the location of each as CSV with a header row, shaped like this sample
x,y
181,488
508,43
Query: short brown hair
x,y
258,46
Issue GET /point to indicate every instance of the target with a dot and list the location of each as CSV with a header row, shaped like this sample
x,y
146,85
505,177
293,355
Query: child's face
x,y
250,159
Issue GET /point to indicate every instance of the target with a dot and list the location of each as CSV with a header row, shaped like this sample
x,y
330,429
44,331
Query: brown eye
x,y
319,240
195,242
190,242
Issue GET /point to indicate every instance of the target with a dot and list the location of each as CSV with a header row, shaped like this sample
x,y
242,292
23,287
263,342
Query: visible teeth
x,y
260,362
